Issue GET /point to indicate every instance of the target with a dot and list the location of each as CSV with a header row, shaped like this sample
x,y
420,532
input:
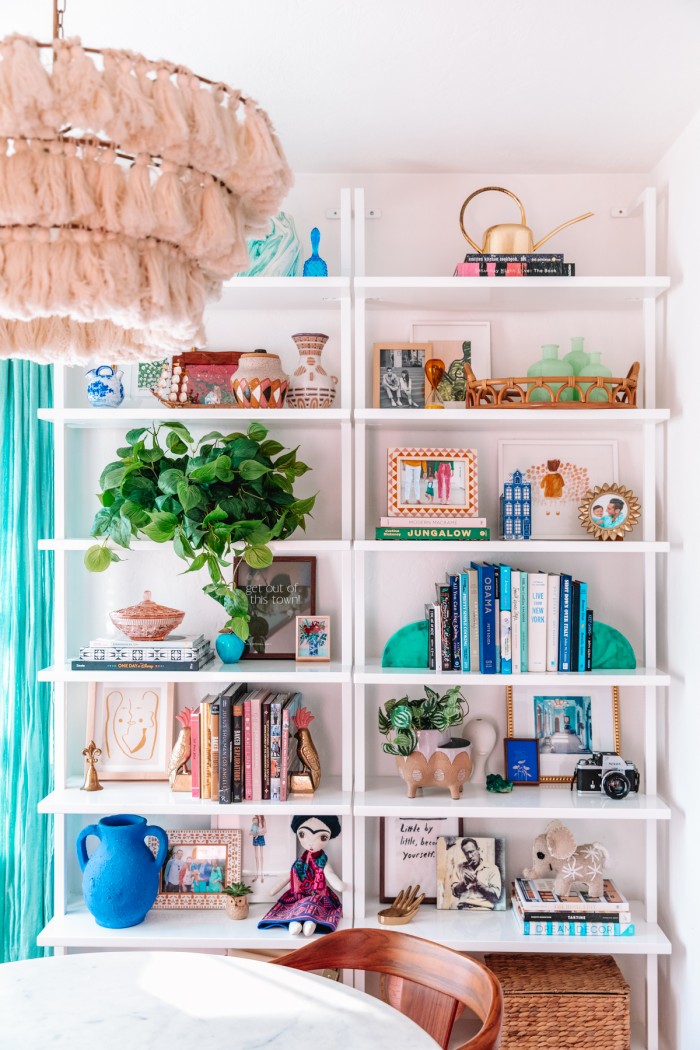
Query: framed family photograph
x,y
399,375
522,760
560,472
276,596
567,724
471,873
456,343
432,482
609,511
313,638
408,854
197,866
132,724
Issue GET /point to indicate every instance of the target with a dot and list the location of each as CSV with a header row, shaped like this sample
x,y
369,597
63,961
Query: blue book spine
x,y
487,618
506,620
497,614
565,624
464,619
524,619
456,610
589,640
582,609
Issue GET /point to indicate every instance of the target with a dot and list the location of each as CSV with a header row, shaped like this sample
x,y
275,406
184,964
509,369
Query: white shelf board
x,y
373,673
155,797
509,293
514,546
386,796
179,928
285,671
307,546
495,418
497,931
117,418
282,293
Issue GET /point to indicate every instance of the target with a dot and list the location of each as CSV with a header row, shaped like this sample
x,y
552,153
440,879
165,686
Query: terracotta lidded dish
x,y
147,621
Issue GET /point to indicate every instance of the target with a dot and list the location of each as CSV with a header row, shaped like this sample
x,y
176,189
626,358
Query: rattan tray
x,y
562,1002
517,391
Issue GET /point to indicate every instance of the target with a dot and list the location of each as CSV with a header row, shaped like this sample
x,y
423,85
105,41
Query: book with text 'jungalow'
x,y
430,532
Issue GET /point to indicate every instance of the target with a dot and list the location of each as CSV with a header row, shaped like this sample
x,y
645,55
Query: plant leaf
x,y
257,432
161,527
271,448
205,473
182,431
257,557
251,470
133,436
170,479
112,476
120,531
97,558
139,489
199,562
190,496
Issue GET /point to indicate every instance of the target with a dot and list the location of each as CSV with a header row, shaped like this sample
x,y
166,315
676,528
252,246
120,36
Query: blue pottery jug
x,y
121,878
230,648
104,388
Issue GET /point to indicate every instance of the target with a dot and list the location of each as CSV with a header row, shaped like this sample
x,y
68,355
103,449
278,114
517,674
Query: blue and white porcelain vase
x,y
104,387
121,877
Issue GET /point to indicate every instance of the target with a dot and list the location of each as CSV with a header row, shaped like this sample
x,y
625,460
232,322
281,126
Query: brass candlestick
x,y
92,752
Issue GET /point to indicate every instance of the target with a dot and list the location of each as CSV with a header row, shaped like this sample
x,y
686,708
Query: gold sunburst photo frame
x,y
609,511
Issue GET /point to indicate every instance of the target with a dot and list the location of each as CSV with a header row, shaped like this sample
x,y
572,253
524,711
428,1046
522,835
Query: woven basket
x,y
516,391
557,1002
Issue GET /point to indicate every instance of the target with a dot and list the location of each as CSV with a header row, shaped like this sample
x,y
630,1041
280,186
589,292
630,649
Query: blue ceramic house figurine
x,y
314,265
516,508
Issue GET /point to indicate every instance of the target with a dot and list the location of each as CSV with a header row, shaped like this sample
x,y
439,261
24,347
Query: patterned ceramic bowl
x,y
147,621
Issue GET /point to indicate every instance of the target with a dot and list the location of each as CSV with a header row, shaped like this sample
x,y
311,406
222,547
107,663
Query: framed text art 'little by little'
x,y
432,483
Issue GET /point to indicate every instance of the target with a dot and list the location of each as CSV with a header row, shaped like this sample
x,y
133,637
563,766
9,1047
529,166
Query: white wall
x,y
676,178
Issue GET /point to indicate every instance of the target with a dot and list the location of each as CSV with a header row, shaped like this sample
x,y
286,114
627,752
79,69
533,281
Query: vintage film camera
x,y
605,772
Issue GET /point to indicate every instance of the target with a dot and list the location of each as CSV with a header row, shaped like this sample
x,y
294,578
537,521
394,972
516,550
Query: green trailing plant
x,y
237,889
404,718
220,500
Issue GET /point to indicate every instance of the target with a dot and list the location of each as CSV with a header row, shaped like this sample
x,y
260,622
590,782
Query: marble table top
x,y
189,1001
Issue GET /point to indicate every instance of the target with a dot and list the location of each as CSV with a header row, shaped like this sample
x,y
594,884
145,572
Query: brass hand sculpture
x,y
403,908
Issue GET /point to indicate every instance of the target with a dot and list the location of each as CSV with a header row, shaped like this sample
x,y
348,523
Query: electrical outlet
x,y
619,213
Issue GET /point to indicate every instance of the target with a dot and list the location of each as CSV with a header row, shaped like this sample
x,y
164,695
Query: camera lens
x,y
615,785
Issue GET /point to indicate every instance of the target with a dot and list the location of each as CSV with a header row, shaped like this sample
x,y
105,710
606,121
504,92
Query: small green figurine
x,y
496,783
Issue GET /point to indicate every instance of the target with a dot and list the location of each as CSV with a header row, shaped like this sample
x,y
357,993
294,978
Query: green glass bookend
x,y
407,647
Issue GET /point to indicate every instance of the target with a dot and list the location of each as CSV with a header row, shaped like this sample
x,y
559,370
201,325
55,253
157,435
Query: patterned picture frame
x,y
432,483
195,859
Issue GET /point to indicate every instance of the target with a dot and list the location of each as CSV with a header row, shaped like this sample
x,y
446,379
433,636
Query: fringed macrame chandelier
x,y
127,190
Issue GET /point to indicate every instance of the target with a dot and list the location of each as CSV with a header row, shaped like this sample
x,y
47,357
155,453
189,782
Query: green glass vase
x,y
550,365
595,368
577,358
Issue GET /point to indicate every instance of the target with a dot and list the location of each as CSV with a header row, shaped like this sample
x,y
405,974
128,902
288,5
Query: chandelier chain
x,y
59,10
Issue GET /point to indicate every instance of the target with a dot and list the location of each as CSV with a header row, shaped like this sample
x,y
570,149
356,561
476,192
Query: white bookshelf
x,y
386,572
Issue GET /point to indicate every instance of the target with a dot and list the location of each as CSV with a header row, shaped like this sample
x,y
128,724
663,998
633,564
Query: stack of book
x,y
532,265
495,619
540,912
242,745
432,529
176,653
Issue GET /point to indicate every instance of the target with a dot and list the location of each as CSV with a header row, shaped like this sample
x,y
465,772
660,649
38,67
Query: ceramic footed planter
x,y
236,907
449,766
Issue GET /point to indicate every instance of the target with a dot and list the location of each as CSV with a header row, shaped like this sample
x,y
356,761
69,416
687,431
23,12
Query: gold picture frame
x,y
609,511
595,709
196,862
399,379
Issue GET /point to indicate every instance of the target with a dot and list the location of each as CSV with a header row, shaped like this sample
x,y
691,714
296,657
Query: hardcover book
x,y
289,708
474,615
456,621
537,622
553,599
445,638
144,653
515,617
539,893
194,752
142,665
237,784
227,699
565,623
487,617
464,620
431,532
505,576
450,523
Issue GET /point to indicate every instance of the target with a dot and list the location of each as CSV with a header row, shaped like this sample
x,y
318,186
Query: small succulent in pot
x,y
406,718
236,900
237,889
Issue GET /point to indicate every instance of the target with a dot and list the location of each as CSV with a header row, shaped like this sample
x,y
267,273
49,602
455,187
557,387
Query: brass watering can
x,y
510,238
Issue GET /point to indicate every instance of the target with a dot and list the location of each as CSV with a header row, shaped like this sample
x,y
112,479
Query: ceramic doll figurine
x,y
309,903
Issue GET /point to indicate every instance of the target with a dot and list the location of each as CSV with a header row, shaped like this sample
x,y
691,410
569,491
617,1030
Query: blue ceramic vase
x,y
121,878
230,648
104,387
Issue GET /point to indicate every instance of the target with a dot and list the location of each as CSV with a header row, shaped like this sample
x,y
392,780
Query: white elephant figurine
x,y
555,853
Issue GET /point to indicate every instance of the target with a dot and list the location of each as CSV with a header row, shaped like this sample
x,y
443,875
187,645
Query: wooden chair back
x,y
435,982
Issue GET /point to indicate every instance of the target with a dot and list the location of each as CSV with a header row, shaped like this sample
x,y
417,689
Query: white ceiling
x,y
541,86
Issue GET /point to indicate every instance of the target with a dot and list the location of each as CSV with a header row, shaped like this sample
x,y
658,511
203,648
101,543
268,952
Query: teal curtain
x,y
26,578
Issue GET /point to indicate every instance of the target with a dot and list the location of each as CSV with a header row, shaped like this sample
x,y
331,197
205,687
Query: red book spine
x,y
194,756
